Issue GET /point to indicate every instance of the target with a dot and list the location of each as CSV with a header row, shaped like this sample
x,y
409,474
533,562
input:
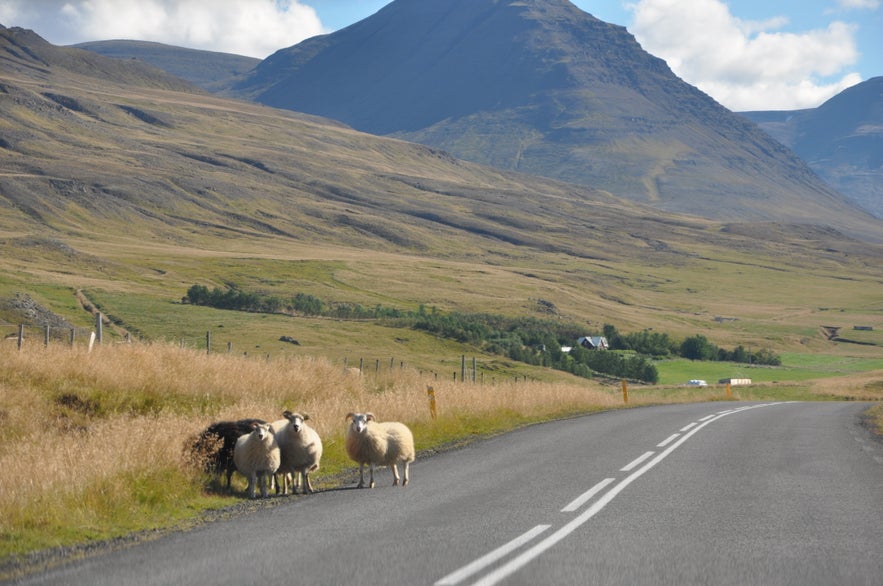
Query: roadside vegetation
x,y
548,342
96,443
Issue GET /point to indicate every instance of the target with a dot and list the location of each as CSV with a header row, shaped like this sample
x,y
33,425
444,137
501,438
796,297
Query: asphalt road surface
x,y
714,493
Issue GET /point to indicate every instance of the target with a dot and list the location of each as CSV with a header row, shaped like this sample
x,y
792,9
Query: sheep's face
x,y
262,431
359,422
296,420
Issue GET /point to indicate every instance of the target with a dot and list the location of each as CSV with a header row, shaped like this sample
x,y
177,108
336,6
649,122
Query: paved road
x,y
714,493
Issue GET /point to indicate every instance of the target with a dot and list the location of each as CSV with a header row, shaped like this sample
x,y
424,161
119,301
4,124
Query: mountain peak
x,y
541,87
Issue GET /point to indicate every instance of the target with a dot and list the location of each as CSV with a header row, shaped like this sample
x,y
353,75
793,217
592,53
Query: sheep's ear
x,y
349,416
306,416
286,414
369,416
254,425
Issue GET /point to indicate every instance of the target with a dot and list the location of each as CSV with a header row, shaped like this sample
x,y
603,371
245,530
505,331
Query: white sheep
x,y
257,457
379,444
301,451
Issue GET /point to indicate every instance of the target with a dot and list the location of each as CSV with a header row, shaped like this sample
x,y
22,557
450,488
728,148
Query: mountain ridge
x,y
841,140
591,106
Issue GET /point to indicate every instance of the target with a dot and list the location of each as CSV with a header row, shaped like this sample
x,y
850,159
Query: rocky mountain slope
x,y
841,140
203,68
544,88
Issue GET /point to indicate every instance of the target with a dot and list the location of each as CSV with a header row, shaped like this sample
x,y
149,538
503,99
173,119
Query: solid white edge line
x,y
634,463
668,440
459,575
535,551
581,499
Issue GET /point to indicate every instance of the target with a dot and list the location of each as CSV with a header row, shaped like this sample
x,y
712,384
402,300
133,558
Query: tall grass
x,y
95,443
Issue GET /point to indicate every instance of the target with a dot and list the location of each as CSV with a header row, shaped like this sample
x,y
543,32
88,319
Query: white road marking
x,y
584,497
668,440
634,463
486,560
536,550
689,427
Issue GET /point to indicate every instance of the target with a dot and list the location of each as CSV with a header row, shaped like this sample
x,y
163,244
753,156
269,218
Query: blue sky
x,y
747,54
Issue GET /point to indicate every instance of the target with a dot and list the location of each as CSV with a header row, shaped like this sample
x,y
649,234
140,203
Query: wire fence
x,y
19,335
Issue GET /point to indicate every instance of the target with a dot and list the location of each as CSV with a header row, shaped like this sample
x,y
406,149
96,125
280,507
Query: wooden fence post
x,y
208,342
21,335
99,328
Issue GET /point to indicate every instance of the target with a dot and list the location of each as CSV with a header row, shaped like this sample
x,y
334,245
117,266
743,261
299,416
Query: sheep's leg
x,y
308,486
361,474
371,468
406,478
395,473
252,480
263,480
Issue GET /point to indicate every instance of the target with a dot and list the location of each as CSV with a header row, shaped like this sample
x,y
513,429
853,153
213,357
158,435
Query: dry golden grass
x,y
95,443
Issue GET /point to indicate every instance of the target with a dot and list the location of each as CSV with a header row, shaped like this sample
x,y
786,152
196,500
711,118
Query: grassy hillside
x,y
129,193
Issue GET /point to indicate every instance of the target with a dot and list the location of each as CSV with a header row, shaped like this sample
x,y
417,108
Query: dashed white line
x,y
486,560
688,427
534,551
668,440
634,463
584,497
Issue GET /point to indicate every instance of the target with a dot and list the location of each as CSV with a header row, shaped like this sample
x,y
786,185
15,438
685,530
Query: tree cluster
x,y
525,339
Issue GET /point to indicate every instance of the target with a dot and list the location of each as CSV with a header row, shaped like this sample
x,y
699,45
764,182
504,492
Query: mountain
x,y
125,190
541,87
25,52
97,145
203,68
841,140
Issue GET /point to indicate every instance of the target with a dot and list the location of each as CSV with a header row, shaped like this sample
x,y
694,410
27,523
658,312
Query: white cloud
x,y
860,4
255,28
747,65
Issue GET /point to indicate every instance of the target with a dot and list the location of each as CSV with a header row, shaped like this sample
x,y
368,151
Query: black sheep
x,y
214,446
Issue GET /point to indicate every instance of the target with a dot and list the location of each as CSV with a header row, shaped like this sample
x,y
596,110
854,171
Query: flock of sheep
x,y
284,453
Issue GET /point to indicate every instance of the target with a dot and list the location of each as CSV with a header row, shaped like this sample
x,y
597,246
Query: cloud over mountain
x,y
255,28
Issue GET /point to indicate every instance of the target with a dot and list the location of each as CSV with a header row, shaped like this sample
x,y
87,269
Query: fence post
x,y
99,332
21,335
463,368
473,369
208,342
625,391
433,409
46,335
73,335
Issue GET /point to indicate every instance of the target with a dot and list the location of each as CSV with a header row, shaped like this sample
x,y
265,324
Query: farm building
x,y
735,381
593,342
